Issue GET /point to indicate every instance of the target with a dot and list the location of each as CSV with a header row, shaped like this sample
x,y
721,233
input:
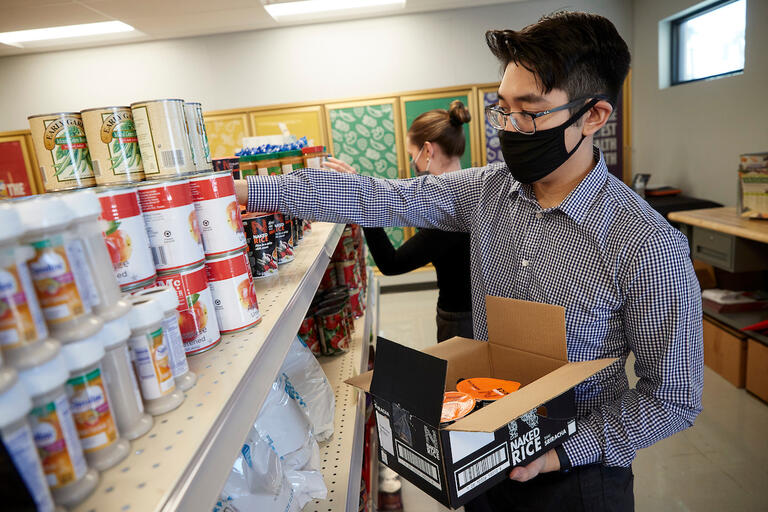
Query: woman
x,y
435,143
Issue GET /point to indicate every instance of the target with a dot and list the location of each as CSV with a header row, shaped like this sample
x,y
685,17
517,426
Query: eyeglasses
x,y
525,122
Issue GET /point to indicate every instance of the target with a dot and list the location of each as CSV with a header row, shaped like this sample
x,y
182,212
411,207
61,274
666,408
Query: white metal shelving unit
x,y
183,462
342,455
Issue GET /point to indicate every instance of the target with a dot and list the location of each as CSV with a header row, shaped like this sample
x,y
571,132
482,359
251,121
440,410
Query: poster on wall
x,y
364,135
610,139
491,136
225,133
14,177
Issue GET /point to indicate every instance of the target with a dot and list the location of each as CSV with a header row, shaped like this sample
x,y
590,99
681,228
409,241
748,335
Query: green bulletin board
x,y
414,106
364,135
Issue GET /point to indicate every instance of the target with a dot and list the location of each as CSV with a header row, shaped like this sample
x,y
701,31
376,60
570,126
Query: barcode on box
x,y
481,469
172,158
417,463
158,254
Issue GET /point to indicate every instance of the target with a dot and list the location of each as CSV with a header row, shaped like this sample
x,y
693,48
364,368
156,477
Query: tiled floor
x,y
719,465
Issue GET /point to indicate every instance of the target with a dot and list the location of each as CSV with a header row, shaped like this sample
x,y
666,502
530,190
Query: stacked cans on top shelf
x,y
86,362
340,299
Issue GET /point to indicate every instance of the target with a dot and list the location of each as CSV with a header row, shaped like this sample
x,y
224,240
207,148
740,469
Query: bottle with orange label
x,y
23,333
149,353
54,432
90,403
61,282
107,301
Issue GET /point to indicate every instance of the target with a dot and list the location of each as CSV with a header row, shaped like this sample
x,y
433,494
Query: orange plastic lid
x,y
487,389
456,405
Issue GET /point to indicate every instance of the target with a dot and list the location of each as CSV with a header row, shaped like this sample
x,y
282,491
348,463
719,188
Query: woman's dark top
x,y
447,251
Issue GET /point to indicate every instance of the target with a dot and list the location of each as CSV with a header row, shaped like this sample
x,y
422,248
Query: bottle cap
x,y
83,353
11,223
44,213
14,401
116,332
165,295
144,313
83,203
45,377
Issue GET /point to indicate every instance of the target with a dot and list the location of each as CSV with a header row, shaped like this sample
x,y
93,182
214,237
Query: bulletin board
x,y
364,135
17,168
413,106
226,132
489,137
300,121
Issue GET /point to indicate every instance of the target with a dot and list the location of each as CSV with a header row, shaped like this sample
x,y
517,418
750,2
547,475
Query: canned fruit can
x,y
357,302
308,334
62,151
348,274
218,213
54,280
234,295
172,225
21,319
126,238
163,139
113,145
198,138
197,318
329,279
283,239
260,233
151,361
333,329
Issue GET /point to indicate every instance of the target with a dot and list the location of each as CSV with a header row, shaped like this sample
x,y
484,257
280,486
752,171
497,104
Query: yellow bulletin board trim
x,y
318,110
24,138
399,143
444,93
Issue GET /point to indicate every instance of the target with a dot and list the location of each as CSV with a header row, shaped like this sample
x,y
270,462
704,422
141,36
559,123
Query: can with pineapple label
x,y
163,139
113,144
62,151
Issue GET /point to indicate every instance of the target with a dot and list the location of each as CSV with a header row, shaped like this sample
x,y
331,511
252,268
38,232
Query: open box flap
x,y
492,417
528,326
410,378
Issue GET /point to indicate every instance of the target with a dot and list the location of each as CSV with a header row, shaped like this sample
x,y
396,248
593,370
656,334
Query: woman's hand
x,y
339,165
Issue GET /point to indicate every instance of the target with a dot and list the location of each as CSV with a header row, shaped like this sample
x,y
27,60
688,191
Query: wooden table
x,y
725,220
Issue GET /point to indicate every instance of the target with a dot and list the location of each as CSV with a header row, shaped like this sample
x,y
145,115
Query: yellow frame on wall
x,y
317,113
24,138
213,135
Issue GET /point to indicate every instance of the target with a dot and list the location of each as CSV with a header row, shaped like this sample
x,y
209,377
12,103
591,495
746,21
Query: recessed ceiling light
x,y
292,9
65,32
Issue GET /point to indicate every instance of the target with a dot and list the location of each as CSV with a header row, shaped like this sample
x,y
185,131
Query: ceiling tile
x,y
39,15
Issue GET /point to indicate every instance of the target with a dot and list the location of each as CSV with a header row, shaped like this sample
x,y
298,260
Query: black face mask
x,y
532,157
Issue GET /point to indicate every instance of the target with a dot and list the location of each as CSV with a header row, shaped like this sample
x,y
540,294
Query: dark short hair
x,y
577,52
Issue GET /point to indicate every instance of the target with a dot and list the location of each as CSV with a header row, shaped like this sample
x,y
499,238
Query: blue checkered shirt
x,y
620,270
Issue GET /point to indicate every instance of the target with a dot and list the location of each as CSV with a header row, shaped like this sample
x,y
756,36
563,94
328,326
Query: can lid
x,y
84,353
45,377
144,312
14,400
191,103
165,295
11,223
83,203
44,212
116,332
312,149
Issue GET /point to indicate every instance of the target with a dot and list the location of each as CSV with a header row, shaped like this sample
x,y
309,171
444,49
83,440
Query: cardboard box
x,y
757,369
454,464
725,351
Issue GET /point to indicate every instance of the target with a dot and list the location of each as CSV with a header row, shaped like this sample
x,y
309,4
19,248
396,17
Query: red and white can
x,y
126,238
218,213
172,225
234,295
197,319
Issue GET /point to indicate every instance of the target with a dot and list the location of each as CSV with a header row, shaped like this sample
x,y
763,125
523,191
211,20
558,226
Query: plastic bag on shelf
x,y
257,469
286,428
307,384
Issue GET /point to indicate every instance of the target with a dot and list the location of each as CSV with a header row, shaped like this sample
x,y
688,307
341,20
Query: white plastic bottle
x,y
149,353
23,333
91,405
124,395
167,298
61,284
17,438
89,243
64,465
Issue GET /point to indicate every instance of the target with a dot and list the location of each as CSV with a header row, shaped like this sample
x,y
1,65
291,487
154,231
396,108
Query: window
x,y
709,42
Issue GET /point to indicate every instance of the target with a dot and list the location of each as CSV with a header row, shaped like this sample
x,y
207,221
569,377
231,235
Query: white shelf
x,y
342,455
183,462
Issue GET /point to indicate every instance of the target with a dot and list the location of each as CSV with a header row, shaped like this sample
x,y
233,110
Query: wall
x,y
691,135
381,55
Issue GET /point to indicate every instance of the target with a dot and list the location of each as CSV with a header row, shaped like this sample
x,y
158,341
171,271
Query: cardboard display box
x,y
454,464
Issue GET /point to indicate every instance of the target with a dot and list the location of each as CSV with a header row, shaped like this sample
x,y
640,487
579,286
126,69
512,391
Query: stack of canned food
x,y
340,299
85,362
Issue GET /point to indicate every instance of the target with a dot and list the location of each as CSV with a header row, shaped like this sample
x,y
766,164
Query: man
x,y
552,225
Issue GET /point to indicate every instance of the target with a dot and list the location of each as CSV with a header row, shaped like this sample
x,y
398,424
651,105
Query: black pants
x,y
593,488
450,324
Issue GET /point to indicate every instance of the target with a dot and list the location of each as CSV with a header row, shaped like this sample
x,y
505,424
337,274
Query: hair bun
x,y
458,113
